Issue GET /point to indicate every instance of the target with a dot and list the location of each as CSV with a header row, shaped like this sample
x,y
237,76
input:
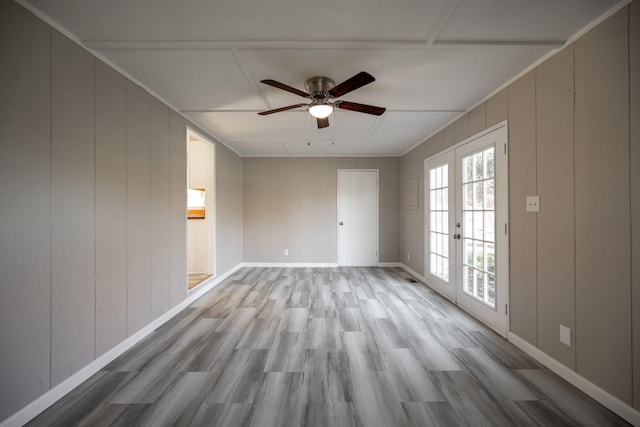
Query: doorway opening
x,y
200,209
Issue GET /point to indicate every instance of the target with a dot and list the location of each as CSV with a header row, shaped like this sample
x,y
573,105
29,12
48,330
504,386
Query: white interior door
x,y
358,217
476,230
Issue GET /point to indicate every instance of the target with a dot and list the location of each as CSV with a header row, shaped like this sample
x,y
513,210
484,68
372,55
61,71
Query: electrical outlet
x,y
565,335
533,204
286,252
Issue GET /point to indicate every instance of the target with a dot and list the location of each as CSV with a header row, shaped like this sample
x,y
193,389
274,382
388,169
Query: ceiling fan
x,y
321,91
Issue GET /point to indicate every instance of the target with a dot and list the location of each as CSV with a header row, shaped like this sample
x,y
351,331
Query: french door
x,y
466,212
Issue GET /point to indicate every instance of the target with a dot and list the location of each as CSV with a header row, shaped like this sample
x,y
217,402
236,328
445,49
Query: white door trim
x,y
502,219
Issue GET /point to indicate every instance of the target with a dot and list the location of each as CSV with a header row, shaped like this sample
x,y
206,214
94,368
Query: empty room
x,y
288,213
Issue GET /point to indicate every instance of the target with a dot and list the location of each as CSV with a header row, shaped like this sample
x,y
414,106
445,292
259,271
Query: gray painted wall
x,y
634,105
574,140
292,203
93,190
93,207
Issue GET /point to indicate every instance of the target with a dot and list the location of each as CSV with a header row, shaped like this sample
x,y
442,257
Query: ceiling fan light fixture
x,y
321,111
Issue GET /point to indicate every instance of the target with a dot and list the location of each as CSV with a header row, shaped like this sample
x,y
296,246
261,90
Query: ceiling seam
x,y
443,18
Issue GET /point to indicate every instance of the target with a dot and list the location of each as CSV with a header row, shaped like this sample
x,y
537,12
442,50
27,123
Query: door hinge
x,y
506,228
505,148
506,309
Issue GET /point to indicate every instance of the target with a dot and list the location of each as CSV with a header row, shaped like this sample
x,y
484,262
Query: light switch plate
x,y
533,203
565,335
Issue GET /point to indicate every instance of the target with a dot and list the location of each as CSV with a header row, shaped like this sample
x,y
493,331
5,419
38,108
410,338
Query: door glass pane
x,y
478,225
490,225
467,229
491,290
489,164
477,166
478,195
478,221
467,169
468,252
489,194
439,222
490,258
467,196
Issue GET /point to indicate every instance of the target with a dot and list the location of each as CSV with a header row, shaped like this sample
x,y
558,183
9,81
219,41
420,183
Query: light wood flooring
x,y
194,279
324,347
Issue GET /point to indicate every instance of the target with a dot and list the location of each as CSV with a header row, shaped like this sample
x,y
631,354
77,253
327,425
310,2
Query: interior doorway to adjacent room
x,y
200,209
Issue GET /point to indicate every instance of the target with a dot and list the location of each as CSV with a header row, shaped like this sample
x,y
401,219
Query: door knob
x,y
341,223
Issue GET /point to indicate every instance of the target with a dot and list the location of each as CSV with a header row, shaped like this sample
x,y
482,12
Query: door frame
x,y
377,171
502,220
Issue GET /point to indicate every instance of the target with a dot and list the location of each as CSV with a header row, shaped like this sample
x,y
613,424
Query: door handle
x,y
341,223
456,236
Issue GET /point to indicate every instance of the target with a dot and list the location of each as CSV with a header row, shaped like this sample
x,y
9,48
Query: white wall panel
x,y
603,258
178,206
522,224
228,209
25,256
160,231
72,208
634,91
111,208
556,238
138,209
94,176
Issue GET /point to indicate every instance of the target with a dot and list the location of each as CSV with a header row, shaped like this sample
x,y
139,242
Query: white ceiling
x,y
432,60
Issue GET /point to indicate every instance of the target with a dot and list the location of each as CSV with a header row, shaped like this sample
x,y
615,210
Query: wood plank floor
x,y
324,347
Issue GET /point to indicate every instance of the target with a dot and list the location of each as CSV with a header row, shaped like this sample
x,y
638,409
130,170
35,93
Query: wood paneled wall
x,y
574,141
93,208
602,222
634,156
25,208
291,203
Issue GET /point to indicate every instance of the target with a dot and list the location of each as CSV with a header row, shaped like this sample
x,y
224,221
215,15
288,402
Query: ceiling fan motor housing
x,y
318,87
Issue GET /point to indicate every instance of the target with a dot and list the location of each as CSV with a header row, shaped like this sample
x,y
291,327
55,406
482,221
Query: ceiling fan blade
x,y
323,123
285,87
361,108
277,110
355,82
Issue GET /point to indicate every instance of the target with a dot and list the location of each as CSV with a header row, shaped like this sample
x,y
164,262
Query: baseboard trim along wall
x,y
414,273
49,398
290,264
33,409
390,264
311,264
605,398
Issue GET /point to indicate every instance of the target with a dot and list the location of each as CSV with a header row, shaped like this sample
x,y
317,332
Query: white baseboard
x,y
311,264
290,264
390,264
414,273
34,408
604,397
